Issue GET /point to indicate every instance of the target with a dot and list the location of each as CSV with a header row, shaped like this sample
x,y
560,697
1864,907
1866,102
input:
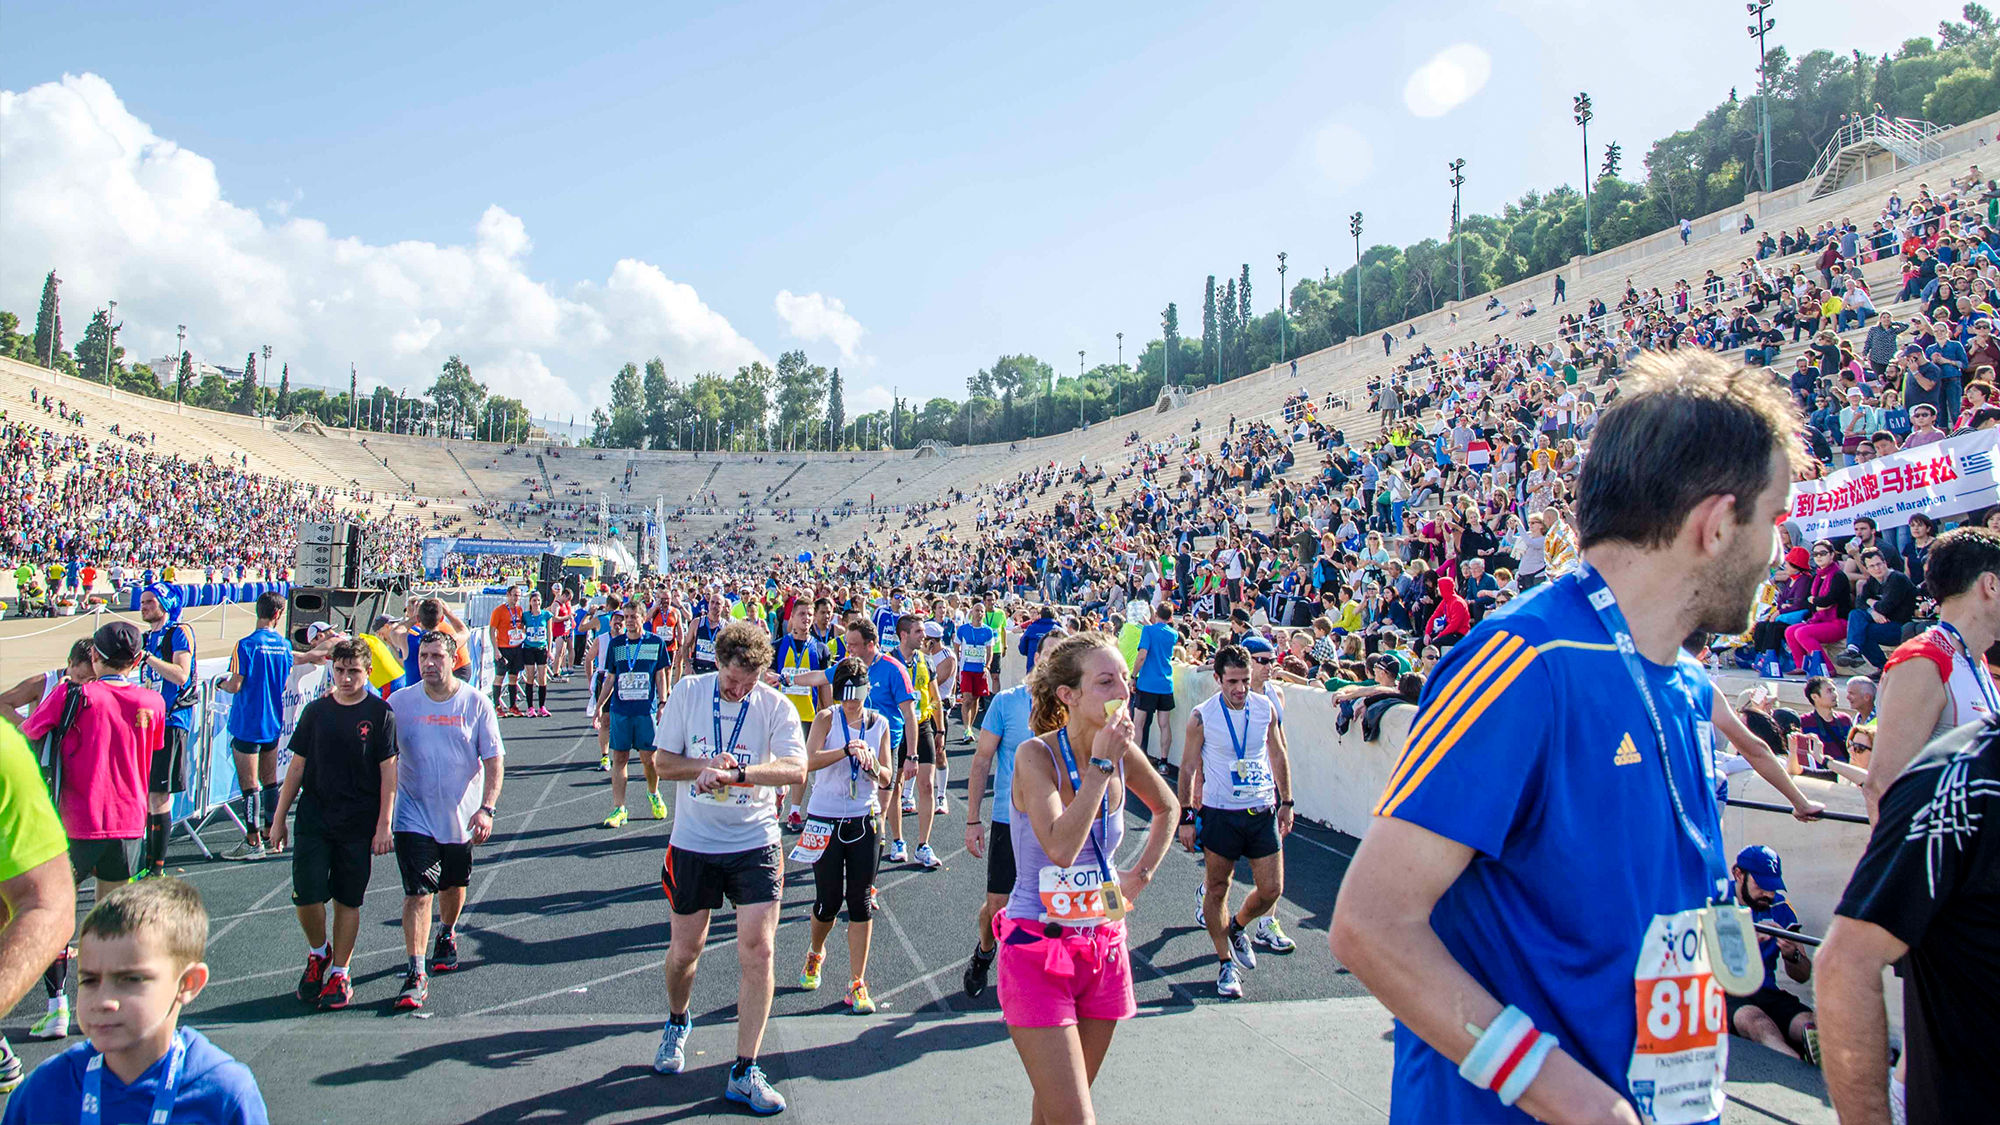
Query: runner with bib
x,y
699,654
1234,797
630,694
727,742
1542,899
847,755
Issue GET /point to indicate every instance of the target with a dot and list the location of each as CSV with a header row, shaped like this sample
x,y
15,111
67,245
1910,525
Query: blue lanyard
x,y
92,1112
1103,801
715,713
1708,846
1977,664
1235,739
853,767
631,646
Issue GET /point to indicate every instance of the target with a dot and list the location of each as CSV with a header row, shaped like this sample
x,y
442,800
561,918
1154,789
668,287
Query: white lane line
x,y
255,908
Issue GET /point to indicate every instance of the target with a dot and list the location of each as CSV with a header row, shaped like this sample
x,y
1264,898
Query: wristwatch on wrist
x,y
1286,803
489,810
742,776
1104,766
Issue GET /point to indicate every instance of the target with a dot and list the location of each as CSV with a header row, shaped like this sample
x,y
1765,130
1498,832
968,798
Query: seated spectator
x,y
1772,1016
1831,598
1888,599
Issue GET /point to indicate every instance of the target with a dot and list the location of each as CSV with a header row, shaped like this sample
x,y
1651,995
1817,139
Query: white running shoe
x,y
1267,934
1229,982
897,852
753,1090
54,1023
1240,950
926,858
672,1055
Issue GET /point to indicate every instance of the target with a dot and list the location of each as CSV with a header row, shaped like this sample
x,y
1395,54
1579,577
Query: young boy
x,y
139,962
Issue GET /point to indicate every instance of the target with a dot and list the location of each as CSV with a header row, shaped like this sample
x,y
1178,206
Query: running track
x,y
557,1009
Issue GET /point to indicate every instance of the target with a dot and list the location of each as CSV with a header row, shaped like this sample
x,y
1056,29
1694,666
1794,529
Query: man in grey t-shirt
x,y
447,738
726,743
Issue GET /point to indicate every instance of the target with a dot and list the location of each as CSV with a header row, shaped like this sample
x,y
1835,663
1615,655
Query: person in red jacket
x,y
1448,624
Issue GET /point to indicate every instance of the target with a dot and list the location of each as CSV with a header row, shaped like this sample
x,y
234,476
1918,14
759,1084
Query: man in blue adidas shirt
x,y
258,672
1537,865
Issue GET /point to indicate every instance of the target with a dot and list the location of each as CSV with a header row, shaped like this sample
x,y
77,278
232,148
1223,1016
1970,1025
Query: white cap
x,y
933,629
316,630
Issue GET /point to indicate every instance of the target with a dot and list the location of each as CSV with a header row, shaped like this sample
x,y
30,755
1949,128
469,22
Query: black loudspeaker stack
x,y
349,610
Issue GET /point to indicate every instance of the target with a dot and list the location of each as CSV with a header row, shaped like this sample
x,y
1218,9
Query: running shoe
x,y
977,972
546,713
144,874
604,763
314,976
444,958
416,989
338,993
751,1089
1269,936
898,853
1229,982
796,822
809,976
1240,950
658,804
247,850
942,805
1200,900
672,1055
874,900
617,818
926,858
54,1023
858,998
11,1070
1812,1046
909,804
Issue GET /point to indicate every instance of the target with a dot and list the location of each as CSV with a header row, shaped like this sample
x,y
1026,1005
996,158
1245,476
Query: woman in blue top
x,y
535,654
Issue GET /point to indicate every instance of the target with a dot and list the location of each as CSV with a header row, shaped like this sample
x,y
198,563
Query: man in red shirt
x,y
112,728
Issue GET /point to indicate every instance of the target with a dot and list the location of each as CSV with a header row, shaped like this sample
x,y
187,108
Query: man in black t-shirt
x,y
1926,892
343,776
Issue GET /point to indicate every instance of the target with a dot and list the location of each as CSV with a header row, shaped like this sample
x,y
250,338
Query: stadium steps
x,y
476,490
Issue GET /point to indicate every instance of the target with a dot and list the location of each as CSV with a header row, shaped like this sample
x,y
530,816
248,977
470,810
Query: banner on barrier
x,y
436,547
1948,478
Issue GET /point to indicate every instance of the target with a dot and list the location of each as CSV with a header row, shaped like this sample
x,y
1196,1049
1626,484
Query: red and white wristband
x,y
1507,1055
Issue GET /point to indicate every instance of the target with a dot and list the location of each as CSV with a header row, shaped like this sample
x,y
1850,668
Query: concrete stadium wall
x,y
1337,778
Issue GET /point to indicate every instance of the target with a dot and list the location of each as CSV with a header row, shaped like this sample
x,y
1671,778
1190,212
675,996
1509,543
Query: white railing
x,y
1908,137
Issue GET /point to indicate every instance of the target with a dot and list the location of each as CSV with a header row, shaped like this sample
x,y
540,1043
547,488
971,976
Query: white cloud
x,y
816,316
874,396
1343,154
123,214
1448,80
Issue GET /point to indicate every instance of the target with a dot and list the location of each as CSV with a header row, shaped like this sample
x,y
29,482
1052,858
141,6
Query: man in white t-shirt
x,y
727,742
449,766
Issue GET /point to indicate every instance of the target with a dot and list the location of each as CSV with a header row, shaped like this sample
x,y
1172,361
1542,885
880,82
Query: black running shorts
x,y
999,858
170,769
333,867
508,660
1237,834
428,866
922,746
697,881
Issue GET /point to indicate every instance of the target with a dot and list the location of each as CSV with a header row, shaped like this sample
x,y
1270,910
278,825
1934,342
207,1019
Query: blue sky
x,y
929,185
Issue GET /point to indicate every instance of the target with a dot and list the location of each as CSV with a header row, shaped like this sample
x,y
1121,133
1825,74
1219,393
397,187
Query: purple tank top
x,y
1029,858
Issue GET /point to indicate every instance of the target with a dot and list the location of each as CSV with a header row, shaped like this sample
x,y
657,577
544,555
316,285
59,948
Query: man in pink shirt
x,y
111,727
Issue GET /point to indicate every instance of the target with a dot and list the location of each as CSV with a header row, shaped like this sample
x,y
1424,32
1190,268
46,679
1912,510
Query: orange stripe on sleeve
x,y
1435,755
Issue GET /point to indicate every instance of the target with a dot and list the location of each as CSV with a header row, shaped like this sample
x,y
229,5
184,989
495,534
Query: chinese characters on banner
x,y
1944,479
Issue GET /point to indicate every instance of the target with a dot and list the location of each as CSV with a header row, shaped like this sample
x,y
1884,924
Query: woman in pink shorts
x,y
1065,978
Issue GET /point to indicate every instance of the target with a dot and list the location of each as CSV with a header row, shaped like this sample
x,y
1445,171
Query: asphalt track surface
x,y
557,1008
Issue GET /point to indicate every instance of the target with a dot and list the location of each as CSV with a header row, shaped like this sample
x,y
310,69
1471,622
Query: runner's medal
x,y
1731,937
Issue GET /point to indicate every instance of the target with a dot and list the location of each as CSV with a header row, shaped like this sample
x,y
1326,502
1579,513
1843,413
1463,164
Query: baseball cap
x,y
1762,864
1257,645
316,630
117,642
933,629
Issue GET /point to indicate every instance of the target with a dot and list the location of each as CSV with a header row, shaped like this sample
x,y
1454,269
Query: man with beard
x,y
1560,763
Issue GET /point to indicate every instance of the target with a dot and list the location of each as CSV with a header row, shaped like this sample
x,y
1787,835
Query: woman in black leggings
x,y
847,761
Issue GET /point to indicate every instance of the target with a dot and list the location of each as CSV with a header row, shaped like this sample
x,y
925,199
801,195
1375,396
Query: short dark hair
x,y
79,653
742,644
1231,656
353,648
170,909
1870,554
1688,427
270,604
443,637
865,629
1957,559
907,622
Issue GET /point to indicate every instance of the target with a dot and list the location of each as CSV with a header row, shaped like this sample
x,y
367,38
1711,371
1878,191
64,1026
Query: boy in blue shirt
x,y
259,669
139,963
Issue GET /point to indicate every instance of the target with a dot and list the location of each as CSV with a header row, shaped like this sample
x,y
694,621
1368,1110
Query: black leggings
x,y
846,870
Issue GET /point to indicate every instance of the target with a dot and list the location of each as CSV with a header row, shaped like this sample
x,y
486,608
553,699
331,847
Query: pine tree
x,y
246,394
836,409
1211,336
184,378
1243,314
48,323
1170,325
1230,329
